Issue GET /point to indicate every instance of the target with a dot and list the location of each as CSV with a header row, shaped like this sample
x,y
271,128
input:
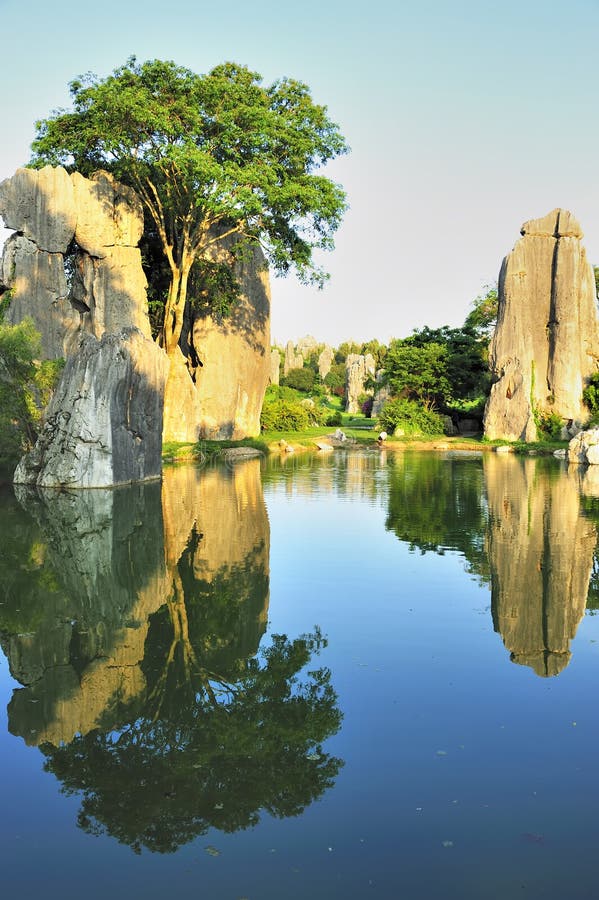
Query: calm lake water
x,y
366,675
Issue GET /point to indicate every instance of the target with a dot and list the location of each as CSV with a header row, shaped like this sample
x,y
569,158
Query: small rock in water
x,y
212,851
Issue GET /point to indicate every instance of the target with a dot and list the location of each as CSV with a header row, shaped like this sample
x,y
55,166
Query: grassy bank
x,y
364,435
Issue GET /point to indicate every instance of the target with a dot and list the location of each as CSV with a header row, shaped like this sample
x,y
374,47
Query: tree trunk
x,y
175,307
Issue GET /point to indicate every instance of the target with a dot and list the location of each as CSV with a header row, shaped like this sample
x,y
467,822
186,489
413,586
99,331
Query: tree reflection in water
x,y
226,751
152,697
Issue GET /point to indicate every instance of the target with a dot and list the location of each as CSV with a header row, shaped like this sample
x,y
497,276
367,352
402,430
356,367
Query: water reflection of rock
x,y
120,561
146,687
540,549
103,551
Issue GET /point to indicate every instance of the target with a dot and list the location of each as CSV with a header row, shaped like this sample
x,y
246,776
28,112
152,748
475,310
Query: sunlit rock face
x,y
103,425
546,343
275,366
73,264
293,359
357,369
225,399
137,589
540,549
325,361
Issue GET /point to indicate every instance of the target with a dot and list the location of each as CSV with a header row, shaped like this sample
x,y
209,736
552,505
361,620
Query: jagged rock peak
x,y
557,223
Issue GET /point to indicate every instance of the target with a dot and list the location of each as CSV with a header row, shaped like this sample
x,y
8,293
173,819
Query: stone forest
x,y
73,267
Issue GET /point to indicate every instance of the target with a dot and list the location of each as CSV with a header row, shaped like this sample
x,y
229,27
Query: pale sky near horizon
x,y
465,119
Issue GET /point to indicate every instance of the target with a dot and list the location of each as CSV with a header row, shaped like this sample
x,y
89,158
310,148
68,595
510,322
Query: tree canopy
x,y
215,158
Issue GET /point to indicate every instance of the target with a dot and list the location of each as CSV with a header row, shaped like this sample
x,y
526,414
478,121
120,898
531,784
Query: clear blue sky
x,y
465,119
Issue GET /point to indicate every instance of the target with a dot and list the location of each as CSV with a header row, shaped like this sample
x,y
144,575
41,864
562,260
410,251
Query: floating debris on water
x,y
212,851
532,838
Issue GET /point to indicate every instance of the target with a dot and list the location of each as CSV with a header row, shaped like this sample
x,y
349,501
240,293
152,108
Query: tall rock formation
x,y
292,359
325,361
275,366
234,354
73,264
306,345
540,547
382,393
357,369
103,424
546,343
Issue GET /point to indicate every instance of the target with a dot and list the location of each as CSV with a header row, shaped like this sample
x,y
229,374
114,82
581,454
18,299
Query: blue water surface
x,y
446,749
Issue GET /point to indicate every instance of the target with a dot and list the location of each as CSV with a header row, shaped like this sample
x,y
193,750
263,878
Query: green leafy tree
x,y
418,372
300,379
214,158
467,367
335,379
483,315
344,350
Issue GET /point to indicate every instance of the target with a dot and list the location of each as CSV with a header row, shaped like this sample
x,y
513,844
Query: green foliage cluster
x,y
287,409
549,424
335,379
590,394
418,371
409,416
483,315
219,160
25,388
300,379
282,412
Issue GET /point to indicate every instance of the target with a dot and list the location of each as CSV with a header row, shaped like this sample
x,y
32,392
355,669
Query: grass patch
x,y
202,451
308,436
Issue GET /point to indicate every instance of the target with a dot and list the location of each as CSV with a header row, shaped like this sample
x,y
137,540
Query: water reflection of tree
x,y
207,752
438,504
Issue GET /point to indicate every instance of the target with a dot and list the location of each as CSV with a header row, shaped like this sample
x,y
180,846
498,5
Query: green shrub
x,y
25,388
300,379
283,415
334,420
549,425
411,417
590,395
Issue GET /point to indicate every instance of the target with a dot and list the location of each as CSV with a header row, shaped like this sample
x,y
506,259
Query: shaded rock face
x,y
102,556
382,393
357,370
235,356
546,343
73,265
540,548
275,366
130,574
103,424
325,361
